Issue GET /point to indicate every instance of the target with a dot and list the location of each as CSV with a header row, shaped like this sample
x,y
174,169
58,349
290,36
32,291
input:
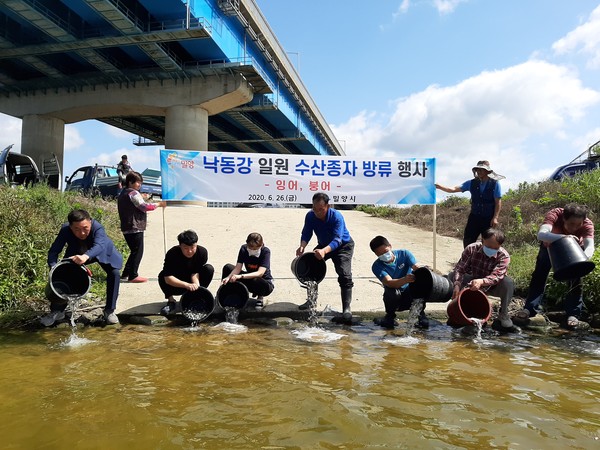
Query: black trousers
x,y
342,261
256,286
475,226
135,242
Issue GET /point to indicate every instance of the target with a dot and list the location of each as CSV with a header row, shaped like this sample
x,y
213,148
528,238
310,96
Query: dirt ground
x,y
223,230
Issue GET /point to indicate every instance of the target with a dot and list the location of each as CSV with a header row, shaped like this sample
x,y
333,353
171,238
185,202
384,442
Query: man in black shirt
x,y
185,269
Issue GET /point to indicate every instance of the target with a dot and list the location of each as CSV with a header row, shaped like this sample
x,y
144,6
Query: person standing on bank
x,y
483,266
256,257
571,220
123,168
185,269
132,212
333,242
394,268
87,242
486,200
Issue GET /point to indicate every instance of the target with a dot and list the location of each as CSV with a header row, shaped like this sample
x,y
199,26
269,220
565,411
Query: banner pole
x,y
434,234
164,231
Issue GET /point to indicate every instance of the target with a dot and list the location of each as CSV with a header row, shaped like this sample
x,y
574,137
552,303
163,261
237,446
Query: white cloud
x,y
442,6
446,6
584,39
489,116
402,9
11,132
73,139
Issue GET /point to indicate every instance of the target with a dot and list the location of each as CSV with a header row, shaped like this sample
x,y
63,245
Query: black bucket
x,y
67,280
198,301
307,267
233,295
568,260
430,286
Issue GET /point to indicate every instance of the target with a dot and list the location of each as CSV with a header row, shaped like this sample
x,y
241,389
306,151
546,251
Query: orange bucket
x,y
468,305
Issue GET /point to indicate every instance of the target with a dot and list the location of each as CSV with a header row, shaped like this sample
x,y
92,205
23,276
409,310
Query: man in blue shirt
x,y
394,268
485,200
87,242
333,242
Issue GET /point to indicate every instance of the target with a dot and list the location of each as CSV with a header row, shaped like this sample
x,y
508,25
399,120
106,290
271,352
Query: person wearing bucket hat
x,y
483,266
256,258
486,200
185,269
394,268
132,214
87,242
571,220
333,242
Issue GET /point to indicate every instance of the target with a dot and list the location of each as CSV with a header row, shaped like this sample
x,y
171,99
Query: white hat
x,y
485,165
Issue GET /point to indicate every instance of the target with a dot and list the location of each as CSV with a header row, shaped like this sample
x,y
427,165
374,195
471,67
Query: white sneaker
x,y
505,320
49,319
259,305
111,319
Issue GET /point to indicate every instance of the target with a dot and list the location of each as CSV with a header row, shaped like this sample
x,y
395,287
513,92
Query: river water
x,y
260,387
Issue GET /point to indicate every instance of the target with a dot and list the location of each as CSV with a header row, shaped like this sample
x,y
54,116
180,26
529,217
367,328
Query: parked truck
x,y
95,180
152,184
17,169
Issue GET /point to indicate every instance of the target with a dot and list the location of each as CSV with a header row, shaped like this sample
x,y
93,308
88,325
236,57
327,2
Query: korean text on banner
x,y
262,178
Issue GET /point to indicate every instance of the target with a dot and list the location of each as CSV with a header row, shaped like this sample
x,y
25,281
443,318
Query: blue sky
x,y
515,82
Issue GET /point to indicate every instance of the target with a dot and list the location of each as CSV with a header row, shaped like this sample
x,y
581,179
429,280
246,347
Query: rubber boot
x,y
346,300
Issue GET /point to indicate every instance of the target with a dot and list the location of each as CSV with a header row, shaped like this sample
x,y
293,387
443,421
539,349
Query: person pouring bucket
x,y
559,223
255,257
87,243
483,266
333,242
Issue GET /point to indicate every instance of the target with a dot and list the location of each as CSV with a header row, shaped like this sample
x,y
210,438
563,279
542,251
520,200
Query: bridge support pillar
x,y
42,136
186,128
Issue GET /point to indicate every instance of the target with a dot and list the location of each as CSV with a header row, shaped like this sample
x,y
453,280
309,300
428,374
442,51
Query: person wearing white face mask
x,y
483,266
394,268
257,261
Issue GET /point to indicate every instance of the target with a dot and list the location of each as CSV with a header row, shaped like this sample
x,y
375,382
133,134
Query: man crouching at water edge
x,y
483,266
185,269
87,242
394,268
333,242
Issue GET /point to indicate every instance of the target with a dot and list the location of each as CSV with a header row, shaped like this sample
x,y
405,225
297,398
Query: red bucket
x,y
468,305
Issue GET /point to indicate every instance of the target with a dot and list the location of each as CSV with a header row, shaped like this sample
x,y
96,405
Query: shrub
x,y
29,222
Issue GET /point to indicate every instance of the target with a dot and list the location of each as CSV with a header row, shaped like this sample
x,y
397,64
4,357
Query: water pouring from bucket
x,y
232,297
67,283
309,271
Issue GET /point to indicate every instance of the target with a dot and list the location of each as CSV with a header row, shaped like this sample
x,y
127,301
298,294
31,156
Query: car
x,y
587,161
